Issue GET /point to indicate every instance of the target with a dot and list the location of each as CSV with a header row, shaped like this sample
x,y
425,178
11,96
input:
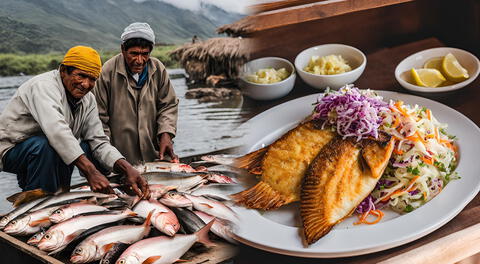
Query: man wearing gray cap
x,y
136,101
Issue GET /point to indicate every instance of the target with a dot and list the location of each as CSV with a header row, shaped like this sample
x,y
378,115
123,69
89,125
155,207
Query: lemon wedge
x,y
427,77
453,70
434,63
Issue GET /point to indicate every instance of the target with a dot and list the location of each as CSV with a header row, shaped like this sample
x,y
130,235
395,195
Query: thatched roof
x,y
241,27
214,56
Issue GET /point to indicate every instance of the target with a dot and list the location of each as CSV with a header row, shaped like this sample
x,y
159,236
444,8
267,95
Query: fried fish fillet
x,y
282,166
337,181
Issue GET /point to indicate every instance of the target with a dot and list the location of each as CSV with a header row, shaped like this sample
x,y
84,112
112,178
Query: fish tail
x,y
129,213
315,227
260,196
202,234
252,161
27,196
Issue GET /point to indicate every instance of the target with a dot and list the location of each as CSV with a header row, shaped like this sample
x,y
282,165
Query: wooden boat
x,y
16,250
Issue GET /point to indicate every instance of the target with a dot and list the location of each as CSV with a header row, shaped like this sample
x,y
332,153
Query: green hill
x,y
43,26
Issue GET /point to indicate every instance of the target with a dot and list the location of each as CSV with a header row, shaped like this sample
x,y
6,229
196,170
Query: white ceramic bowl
x,y
417,60
354,57
267,91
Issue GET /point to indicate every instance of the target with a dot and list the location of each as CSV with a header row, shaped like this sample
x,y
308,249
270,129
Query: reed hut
x,y
215,56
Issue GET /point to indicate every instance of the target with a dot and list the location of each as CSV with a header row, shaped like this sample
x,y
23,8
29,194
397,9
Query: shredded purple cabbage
x,y
366,205
353,113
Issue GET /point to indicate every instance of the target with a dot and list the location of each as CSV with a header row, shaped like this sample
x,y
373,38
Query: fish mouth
x,y
170,230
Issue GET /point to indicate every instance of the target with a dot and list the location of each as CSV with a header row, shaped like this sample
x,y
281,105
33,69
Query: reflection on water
x,y
201,128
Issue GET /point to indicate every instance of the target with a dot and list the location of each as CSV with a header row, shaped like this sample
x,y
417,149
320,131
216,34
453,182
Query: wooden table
x,y
458,239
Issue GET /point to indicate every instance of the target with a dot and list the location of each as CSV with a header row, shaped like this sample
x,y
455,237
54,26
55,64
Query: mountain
x,y
41,26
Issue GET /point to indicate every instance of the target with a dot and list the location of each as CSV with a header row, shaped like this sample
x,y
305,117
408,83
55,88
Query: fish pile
x,y
117,228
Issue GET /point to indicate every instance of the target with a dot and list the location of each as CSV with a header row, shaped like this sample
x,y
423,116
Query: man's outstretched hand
x,y
166,147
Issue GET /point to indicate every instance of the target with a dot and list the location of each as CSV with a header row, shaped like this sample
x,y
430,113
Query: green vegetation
x,y
30,64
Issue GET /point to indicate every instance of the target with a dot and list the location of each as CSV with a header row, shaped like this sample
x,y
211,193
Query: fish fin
x,y
314,230
39,222
377,156
148,219
107,247
181,260
27,196
151,259
129,212
75,234
207,205
202,234
252,161
261,196
57,250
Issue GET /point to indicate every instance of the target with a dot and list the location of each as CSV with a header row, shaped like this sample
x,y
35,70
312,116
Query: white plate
x,y
277,232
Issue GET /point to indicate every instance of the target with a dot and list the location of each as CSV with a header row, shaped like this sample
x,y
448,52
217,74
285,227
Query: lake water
x,y
201,128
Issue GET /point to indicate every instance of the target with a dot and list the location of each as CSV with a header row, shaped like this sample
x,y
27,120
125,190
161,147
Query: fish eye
x,y
47,236
57,212
78,250
122,261
13,222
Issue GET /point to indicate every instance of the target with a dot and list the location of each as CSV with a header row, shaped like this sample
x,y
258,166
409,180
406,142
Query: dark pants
x,y
38,165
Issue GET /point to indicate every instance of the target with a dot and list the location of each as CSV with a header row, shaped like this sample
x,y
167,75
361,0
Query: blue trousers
x,y
38,165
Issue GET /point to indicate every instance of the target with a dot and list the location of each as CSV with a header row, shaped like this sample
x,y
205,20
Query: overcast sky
x,y
237,6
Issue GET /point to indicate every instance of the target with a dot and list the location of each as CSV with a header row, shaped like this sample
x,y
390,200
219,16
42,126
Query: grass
x,y
31,64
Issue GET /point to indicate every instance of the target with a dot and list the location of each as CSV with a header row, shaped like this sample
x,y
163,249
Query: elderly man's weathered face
x,y
78,82
136,58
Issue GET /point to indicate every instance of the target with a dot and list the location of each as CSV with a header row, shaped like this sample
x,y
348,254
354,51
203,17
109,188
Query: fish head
x,y
175,199
52,240
4,221
129,259
167,223
60,215
35,239
84,253
17,225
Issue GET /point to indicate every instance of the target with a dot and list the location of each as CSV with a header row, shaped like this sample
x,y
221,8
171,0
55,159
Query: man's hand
x,y
166,147
97,181
133,179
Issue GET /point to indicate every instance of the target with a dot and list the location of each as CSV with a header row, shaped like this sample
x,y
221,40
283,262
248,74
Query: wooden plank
x,y
449,249
259,8
27,249
304,13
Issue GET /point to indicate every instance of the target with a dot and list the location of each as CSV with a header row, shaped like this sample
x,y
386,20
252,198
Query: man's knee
x,y
41,148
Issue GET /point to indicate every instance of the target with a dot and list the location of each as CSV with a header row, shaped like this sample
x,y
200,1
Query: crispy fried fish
x,y
338,179
282,166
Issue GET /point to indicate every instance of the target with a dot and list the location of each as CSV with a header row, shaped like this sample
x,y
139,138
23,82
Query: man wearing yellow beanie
x,y
42,125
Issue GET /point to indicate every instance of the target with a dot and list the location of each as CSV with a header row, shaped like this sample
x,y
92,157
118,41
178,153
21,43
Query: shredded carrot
x,y
362,219
427,160
430,136
420,137
396,122
436,134
429,114
425,195
398,151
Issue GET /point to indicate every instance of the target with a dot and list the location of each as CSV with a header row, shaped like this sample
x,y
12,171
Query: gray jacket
x,y
40,107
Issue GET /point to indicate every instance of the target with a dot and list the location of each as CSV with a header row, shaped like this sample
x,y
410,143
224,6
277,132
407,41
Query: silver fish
x,y
211,207
19,210
70,196
190,221
35,239
220,227
31,222
163,218
162,249
94,247
175,199
58,236
223,159
158,190
160,166
68,211
182,184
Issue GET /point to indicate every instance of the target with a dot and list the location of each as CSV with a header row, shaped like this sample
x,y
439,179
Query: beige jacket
x,y
132,126
40,106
